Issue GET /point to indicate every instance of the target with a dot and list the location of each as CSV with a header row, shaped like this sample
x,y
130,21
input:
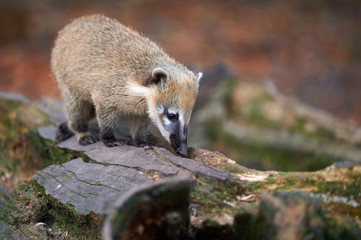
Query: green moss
x,y
341,228
233,170
289,184
270,179
80,227
7,205
31,153
280,182
299,126
22,150
229,169
209,196
263,156
252,111
274,182
65,216
255,186
35,188
348,190
308,181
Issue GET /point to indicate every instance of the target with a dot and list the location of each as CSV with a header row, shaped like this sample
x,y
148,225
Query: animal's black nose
x,y
179,145
183,150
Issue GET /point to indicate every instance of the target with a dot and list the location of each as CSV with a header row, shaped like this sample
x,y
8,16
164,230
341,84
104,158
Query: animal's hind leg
x,y
63,132
79,113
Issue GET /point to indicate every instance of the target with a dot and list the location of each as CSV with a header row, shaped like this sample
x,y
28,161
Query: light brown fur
x,y
97,63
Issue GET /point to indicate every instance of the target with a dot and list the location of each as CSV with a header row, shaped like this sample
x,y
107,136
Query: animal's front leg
x,y
140,131
78,113
107,119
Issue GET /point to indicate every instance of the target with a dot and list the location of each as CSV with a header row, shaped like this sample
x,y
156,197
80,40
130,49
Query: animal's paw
x,y
108,139
140,143
144,144
112,142
89,139
63,132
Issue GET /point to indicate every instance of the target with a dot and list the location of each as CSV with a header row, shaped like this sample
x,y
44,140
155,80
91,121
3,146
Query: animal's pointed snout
x,y
183,150
179,145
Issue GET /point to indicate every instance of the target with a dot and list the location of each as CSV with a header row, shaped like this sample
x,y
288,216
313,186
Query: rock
x,y
154,211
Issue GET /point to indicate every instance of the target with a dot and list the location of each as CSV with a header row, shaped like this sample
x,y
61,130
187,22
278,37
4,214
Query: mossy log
x,y
75,188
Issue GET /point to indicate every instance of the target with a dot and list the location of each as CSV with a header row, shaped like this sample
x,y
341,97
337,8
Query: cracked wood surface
x,y
108,173
88,186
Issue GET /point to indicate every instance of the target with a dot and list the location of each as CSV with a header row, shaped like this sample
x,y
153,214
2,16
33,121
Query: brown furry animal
x,y
106,69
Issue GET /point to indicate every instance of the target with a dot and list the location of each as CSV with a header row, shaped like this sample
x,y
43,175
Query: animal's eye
x,y
172,116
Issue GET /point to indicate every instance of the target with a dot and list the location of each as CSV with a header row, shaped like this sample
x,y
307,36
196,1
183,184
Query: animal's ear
x,y
158,75
199,76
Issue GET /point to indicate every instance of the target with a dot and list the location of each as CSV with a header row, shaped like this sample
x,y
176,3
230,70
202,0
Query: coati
x,y
107,70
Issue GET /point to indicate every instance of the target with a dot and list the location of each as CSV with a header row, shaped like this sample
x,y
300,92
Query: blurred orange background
x,y
310,49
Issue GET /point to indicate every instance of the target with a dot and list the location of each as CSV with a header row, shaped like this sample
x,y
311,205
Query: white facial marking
x,y
180,116
166,121
163,131
181,120
158,122
172,111
160,109
139,90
